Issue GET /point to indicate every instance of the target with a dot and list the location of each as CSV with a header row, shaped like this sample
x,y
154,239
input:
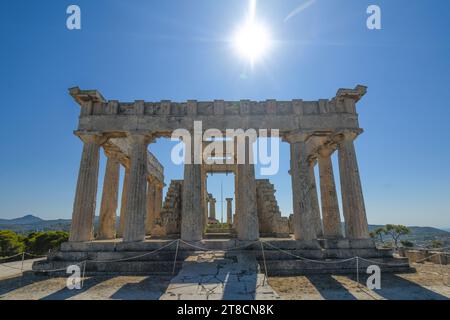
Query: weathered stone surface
x,y
108,209
356,226
136,210
302,185
330,205
85,198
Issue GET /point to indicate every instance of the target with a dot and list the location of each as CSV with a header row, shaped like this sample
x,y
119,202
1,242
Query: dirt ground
x,y
429,282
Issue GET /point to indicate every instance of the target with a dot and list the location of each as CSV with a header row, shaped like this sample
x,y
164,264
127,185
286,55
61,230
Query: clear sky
x,y
178,50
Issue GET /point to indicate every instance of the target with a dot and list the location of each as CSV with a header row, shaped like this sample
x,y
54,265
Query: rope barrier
x,y
266,278
307,259
176,255
224,250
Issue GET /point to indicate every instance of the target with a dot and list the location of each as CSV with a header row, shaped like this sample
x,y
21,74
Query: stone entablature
x,y
161,118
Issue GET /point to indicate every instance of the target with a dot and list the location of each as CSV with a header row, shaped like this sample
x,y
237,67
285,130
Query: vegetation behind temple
x,y
419,236
37,243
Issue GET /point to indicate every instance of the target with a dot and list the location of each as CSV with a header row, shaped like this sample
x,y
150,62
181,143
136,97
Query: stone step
x,y
301,267
216,235
58,268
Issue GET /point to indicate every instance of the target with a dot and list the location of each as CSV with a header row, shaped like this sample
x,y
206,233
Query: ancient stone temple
x,y
125,131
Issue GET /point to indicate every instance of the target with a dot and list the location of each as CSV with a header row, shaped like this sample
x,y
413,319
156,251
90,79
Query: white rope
x,y
224,250
135,257
306,259
266,278
176,255
6,258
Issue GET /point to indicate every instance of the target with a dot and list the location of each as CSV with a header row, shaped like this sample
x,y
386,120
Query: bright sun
x,y
252,41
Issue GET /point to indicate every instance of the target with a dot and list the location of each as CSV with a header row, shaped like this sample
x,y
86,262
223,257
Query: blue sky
x,y
178,50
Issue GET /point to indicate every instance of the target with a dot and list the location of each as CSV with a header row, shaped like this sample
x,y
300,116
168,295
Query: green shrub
x,y
10,243
41,242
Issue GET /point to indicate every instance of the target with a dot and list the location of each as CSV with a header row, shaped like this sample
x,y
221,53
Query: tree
x,y
41,242
435,244
10,243
407,244
396,231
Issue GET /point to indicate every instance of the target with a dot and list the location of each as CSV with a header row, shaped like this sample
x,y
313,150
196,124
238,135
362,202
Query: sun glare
x,y
252,41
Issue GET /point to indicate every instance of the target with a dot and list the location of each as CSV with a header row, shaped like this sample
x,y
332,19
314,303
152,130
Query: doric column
x,y
212,208
315,201
158,199
136,206
356,226
151,205
123,203
229,211
303,219
204,198
192,203
247,223
330,207
108,209
86,193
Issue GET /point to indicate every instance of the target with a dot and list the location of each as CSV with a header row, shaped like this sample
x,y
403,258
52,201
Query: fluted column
x,y
330,206
356,225
212,208
123,203
315,201
86,193
303,219
229,211
108,209
151,206
192,203
247,223
136,206
158,199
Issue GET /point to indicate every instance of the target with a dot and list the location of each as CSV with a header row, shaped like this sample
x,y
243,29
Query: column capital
x,y
140,137
346,135
326,150
91,137
297,136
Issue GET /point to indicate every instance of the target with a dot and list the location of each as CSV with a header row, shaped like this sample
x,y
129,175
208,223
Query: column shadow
x,y
65,293
240,287
10,284
151,288
394,287
330,288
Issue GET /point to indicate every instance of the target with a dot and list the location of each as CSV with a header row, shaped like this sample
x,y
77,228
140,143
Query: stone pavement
x,y
216,276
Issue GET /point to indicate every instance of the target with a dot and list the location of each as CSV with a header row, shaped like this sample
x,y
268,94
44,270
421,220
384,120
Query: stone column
x,y
204,198
247,223
158,199
356,226
151,205
315,201
212,208
303,218
229,211
108,209
123,203
136,202
330,206
192,204
82,226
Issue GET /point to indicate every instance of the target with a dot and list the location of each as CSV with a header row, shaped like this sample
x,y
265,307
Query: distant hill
x,y
446,229
28,219
30,223
421,236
